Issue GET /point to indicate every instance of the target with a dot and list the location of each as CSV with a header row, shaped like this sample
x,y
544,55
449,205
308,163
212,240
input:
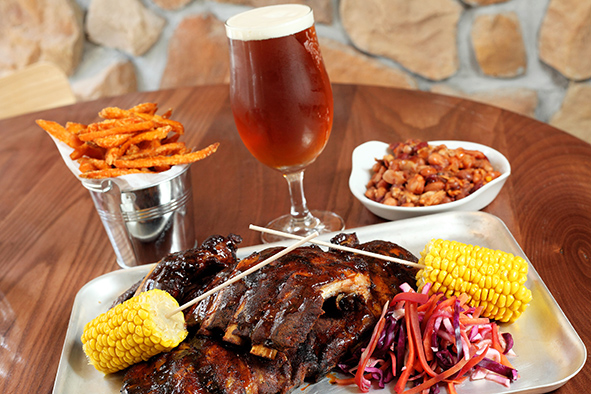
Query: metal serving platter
x,y
549,351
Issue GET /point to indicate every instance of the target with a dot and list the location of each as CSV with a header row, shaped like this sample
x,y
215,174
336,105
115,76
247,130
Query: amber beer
x,y
280,92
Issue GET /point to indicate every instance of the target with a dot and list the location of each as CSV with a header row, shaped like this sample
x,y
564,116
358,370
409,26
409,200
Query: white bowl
x,y
364,158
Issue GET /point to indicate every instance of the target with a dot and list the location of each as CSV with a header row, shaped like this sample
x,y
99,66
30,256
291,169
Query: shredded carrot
x,y
363,383
477,311
429,308
415,334
451,388
411,297
464,298
472,362
410,360
437,378
496,344
471,321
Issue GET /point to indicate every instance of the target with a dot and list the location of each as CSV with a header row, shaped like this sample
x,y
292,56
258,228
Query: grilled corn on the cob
x,y
133,331
493,279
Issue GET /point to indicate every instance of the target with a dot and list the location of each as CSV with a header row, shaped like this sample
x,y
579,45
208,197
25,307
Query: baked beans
x,y
415,173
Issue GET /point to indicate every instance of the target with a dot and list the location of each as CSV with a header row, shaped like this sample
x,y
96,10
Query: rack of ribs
x,y
287,323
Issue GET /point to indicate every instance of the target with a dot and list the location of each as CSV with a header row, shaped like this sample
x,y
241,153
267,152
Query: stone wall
x,y
529,56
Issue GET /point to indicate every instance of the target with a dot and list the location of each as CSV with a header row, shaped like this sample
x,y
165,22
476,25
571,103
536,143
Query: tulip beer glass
x,y
282,102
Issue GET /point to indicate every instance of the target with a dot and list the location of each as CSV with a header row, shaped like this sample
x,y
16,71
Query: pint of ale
x,y
280,92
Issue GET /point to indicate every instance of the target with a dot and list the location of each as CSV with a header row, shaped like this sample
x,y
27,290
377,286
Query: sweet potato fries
x,y
126,141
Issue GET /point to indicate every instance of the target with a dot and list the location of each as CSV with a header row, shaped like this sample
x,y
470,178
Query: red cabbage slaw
x,y
427,342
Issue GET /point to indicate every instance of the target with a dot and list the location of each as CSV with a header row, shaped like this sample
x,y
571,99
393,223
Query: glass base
x,y
320,221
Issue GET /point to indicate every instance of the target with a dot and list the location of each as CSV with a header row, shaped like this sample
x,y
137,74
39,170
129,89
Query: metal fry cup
x,y
145,224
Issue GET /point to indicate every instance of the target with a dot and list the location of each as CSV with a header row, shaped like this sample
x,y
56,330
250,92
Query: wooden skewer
x,y
143,282
340,247
249,271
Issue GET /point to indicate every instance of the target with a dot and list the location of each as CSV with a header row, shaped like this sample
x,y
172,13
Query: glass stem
x,y
299,208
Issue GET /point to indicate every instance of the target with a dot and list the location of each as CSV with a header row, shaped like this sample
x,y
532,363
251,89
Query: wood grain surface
x,y
52,241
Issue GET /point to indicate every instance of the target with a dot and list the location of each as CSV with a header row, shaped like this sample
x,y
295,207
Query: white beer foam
x,y
269,22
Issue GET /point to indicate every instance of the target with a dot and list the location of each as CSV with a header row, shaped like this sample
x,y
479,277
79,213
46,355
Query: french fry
x,y
171,139
104,125
75,128
112,141
155,161
98,164
60,132
126,141
175,148
145,108
138,111
87,150
132,150
167,114
154,135
159,120
127,129
115,113
111,173
87,167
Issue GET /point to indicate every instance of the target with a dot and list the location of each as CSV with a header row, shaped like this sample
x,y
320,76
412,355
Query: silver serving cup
x,y
146,224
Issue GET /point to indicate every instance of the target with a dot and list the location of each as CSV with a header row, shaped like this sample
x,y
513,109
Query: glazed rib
x,y
274,308
185,274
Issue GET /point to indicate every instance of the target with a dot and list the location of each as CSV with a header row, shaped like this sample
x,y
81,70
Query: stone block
x,y
574,116
345,64
498,45
565,38
115,79
40,30
421,35
198,53
125,25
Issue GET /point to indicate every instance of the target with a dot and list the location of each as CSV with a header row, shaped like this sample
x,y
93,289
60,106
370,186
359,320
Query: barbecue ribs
x,y
290,322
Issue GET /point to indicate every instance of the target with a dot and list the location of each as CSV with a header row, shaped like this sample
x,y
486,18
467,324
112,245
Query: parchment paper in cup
x,y
124,182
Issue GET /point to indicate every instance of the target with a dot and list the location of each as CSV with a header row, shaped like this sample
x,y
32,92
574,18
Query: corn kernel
x,y
137,320
484,295
512,276
491,295
510,300
435,287
476,294
143,314
494,282
433,275
502,302
521,293
516,305
499,286
482,283
447,281
495,298
507,288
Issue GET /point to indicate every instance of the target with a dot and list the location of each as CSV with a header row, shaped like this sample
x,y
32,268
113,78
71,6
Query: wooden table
x,y
52,241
